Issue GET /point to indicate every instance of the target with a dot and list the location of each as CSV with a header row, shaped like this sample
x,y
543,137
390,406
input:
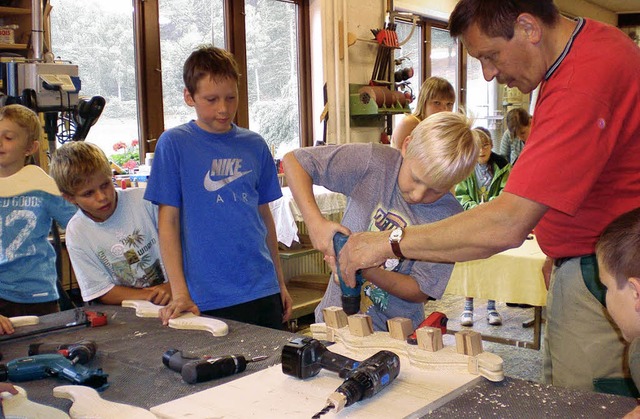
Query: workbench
x,y
130,350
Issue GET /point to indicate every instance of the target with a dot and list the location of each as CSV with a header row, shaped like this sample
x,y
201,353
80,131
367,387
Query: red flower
x,y
119,146
130,165
134,143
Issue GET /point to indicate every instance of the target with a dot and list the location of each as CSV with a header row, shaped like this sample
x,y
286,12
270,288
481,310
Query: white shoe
x,y
466,319
494,318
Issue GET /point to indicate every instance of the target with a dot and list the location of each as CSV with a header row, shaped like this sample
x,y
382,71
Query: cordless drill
x,y
350,296
81,352
200,369
52,365
305,357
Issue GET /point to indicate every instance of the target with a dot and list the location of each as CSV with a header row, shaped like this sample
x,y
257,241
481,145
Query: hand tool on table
x,y
350,296
200,369
436,319
52,365
305,357
81,352
82,317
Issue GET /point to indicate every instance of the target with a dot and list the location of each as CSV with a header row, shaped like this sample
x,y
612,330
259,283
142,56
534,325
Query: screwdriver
x,y
212,368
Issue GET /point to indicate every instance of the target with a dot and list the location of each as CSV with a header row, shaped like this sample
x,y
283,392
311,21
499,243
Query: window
x,y
98,37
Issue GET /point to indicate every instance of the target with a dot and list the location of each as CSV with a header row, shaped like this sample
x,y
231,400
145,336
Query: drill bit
x,y
325,410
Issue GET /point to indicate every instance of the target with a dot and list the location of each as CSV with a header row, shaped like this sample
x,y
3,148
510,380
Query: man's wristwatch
x,y
394,239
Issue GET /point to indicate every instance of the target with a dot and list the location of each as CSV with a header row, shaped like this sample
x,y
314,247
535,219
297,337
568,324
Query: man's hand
x,y
6,327
362,250
176,307
160,294
287,304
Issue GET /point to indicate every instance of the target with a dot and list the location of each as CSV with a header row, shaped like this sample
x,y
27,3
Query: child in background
x,y
483,185
387,189
113,239
436,95
517,133
618,255
27,260
213,182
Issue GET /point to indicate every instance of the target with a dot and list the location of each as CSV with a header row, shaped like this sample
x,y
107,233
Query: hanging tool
x,y
80,352
198,370
82,318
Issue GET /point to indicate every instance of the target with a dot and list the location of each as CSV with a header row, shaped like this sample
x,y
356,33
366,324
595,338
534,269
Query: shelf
x,y
13,46
14,11
310,281
305,300
294,253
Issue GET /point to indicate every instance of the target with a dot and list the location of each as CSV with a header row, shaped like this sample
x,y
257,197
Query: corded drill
x,y
305,357
350,296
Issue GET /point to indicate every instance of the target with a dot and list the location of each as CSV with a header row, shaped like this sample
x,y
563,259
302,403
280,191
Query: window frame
x,y
149,69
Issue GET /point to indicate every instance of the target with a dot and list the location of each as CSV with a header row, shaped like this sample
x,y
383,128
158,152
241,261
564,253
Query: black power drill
x,y
200,369
79,352
305,357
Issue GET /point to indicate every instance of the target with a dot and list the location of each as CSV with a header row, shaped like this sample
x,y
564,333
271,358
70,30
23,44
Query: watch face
x,y
396,235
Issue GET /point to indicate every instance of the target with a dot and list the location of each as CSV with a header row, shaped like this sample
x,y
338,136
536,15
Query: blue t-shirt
x,y
218,181
27,259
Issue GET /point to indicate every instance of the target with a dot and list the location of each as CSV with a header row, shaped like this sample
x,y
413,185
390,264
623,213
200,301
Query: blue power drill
x,y
52,365
350,296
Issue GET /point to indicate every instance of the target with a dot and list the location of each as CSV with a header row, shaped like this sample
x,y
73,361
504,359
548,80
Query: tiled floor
x,y
521,363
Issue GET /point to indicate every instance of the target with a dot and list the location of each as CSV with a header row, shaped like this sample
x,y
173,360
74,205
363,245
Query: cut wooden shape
x,y
19,406
335,317
360,325
189,321
400,327
29,178
87,403
429,338
488,365
469,342
143,308
20,321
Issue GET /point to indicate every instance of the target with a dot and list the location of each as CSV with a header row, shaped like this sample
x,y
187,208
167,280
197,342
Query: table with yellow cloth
x,y
514,276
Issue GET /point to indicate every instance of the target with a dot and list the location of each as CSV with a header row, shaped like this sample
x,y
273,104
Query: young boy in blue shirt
x,y
27,260
387,190
113,240
213,182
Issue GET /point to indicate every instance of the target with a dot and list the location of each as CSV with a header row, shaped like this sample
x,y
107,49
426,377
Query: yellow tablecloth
x,y
513,276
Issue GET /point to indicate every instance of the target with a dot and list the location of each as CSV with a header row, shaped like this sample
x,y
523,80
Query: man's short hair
x,y
497,18
75,162
208,61
618,248
447,147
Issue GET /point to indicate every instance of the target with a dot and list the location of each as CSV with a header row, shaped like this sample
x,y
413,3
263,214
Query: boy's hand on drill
x,y
6,327
176,307
321,235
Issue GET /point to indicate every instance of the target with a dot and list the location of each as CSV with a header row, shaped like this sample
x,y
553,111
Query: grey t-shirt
x,y
367,174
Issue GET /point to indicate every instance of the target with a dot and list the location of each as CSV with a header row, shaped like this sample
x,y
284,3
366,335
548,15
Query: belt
x,y
559,261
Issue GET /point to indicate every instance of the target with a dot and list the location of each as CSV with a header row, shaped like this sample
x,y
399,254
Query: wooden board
x,y
87,403
19,406
263,394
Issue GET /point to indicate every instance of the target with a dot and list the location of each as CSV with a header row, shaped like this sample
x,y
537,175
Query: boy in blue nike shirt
x,y
213,182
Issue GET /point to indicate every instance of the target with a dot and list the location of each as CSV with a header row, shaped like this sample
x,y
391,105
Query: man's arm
x,y
272,244
171,251
478,233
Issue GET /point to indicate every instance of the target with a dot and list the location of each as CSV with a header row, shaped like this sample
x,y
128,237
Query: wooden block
x,y
400,327
360,325
19,321
429,338
335,317
469,342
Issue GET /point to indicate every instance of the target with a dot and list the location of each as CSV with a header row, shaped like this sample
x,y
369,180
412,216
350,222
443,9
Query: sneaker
x,y
466,319
494,318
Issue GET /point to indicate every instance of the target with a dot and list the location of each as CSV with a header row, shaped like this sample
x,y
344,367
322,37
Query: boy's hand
x,y
287,304
160,294
321,234
6,327
176,307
